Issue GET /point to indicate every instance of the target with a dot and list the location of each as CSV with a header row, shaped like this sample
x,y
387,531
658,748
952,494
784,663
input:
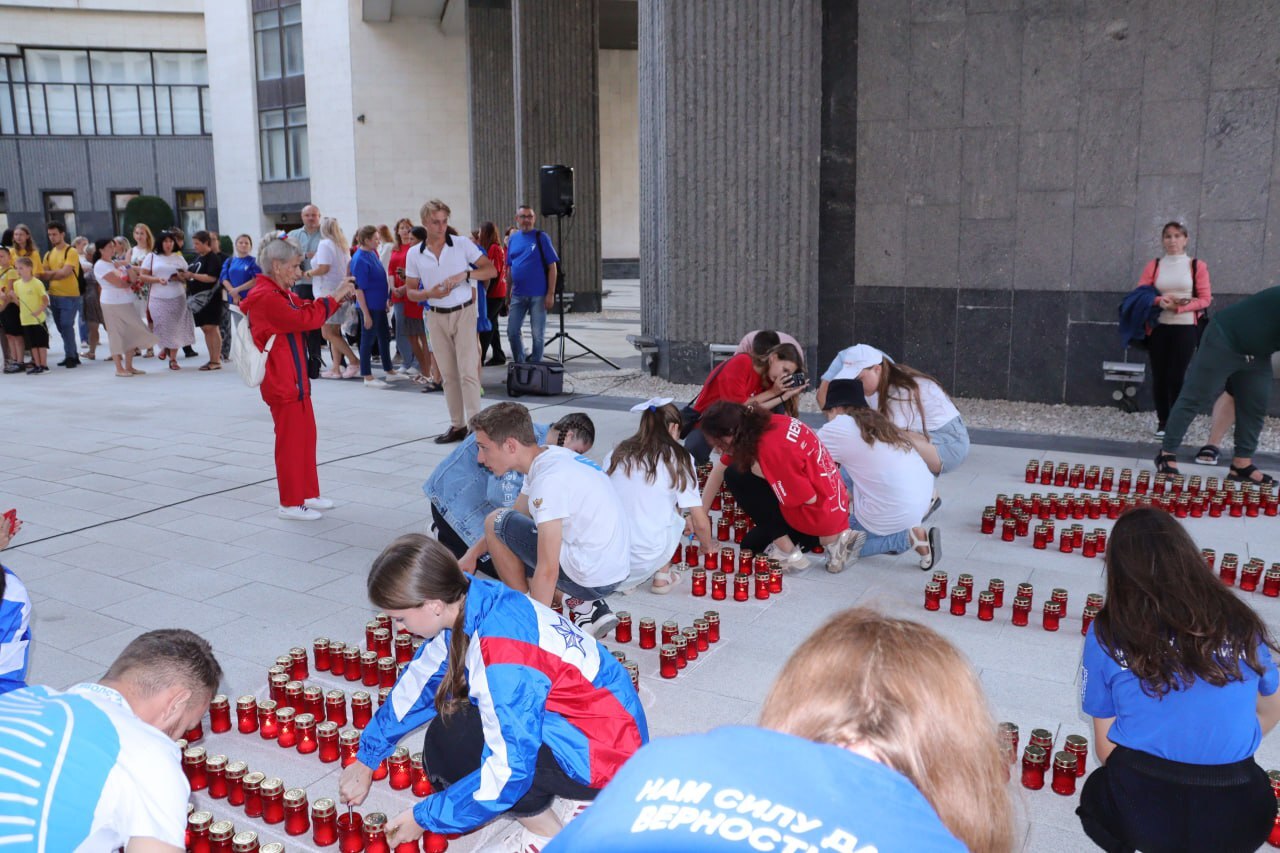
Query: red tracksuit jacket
x,y
272,311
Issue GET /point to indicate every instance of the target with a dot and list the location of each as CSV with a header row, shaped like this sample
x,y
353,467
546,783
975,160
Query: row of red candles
x,y
1074,536
1045,507
1104,479
205,835
1068,764
678,647
992,598
1249,575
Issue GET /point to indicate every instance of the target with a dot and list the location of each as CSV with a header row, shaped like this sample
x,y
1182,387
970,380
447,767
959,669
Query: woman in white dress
x,y
170,320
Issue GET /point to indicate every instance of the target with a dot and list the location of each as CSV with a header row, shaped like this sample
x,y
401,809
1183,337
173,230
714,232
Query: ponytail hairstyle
x,y
742,425
580,424
653,444
414,569
894,375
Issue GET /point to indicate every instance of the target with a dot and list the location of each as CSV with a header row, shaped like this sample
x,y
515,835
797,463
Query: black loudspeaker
x,y
556,185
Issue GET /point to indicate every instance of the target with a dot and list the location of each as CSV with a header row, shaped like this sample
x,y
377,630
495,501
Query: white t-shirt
x,y
329,252
457,255
653,510
164,266
111,295
137,255
892,487
938,408
1173,278
595,545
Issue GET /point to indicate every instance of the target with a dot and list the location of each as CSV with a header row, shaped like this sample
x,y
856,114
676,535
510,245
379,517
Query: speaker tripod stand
x,y
562,336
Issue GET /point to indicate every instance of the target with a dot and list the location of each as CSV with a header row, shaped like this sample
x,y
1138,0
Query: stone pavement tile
x,y
299,545
284,572
383,519
1044,699
155,609
85,588
283,608
738,667
351,560
182,578
678,707
60,669
47,515
362,535
224,506
370,494
44,541
103,502
111,560
270,520
105,648
211,528
348,589
69,627
24,487
30,566
161,494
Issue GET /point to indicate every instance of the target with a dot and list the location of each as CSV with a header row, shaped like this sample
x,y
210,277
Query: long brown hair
x,y
488,235
652,445
876,427
396,230
857,681
784,352
894,375
1167,618
742,425
414,569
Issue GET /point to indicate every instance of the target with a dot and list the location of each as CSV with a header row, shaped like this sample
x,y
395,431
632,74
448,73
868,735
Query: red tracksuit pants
x,y
296,451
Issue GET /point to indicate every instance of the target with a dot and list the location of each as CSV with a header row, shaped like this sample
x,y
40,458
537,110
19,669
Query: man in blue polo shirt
x,y
532,269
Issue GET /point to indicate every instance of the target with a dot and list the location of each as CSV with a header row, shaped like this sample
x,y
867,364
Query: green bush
x,y
152,211
224,245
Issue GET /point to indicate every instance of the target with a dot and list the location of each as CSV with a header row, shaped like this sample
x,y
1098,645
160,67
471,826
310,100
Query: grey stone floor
x,y
150,502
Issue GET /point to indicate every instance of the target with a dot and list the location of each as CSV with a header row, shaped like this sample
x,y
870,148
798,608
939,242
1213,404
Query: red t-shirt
x,y
497,287
736,381
797,466
395,268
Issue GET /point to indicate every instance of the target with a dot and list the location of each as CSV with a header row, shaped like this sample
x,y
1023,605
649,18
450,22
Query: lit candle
x,y
327,741
401,776
361,709
348,746
247,714
287,734
305,724
268,726
719,586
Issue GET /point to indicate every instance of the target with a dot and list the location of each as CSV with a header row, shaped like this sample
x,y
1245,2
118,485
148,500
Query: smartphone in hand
x,y
11,518
796,380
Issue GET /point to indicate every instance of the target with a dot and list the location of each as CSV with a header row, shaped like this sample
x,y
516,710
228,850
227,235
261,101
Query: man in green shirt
x,y
1237,345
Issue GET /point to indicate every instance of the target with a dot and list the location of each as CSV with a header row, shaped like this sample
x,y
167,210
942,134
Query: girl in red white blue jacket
x,y
529,717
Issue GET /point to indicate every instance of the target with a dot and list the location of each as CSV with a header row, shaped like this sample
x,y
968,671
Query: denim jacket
x,y
465,491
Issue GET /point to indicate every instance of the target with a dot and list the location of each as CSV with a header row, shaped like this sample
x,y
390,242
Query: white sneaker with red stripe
x,y
566,809
516,840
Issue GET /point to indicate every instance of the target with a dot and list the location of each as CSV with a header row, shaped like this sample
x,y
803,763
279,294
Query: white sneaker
x,y
318,503
375,383
298,513
395,377
844,552
566,809
412,371
516,840
794,562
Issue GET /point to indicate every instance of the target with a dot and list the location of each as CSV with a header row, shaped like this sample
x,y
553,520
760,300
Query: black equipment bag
x,y
543,379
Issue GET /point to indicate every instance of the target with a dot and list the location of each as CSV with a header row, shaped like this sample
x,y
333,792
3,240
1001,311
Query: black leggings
x,y
449,538
1171,348
757,499
452,749
1141,802
492,339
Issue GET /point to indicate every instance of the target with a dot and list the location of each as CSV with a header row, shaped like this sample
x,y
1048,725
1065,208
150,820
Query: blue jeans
x,y
381,333
536,308
894,543
65,310
518,532
407,358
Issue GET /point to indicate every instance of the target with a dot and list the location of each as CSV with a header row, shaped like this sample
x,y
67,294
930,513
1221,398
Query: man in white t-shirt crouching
x,y
567,530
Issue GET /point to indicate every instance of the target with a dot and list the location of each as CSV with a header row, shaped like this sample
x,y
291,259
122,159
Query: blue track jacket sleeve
x,y
412,702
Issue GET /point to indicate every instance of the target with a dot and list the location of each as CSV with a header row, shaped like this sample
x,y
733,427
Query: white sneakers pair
x,y
520,840
309,511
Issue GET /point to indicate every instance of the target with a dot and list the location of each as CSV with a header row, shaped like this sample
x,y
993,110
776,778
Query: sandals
x,y
212,365
1245,475
429,387
128,374
669,577
1207,455
1167,463
934,541
173,364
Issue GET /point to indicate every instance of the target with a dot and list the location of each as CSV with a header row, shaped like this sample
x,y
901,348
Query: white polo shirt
x,y
457,255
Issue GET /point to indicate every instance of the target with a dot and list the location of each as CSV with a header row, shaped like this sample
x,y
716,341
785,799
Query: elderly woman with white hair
x,y
274,310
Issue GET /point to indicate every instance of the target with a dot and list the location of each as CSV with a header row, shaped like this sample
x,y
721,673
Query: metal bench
x,y
1130,376
648,348
720,352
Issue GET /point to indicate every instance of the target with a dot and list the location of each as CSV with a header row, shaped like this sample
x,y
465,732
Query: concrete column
x,y
234,111
730,139
491,101
331,133
556,83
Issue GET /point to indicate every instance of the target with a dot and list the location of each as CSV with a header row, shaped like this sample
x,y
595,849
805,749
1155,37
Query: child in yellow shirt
x,y
10,320
33,304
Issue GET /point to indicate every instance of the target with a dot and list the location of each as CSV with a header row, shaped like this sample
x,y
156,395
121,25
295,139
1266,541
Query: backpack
x,y
250,362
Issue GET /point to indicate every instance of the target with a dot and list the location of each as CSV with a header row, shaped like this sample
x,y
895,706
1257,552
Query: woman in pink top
x,y
1182,285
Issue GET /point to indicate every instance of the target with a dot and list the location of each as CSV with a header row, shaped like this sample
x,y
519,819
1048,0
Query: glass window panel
x,y
164,114
125,120
21,109
269,119
297,116
39,116
4,69
192,221
102,110
273,157
120,66
299,164
182,68
291,14
186,109
59,202
18,68
69,222
206,112
58,66
266,20
293,51
148,96
266,47
7,123
84,105
61,103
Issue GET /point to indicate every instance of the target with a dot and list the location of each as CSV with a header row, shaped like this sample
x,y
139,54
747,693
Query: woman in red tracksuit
x,y
274,309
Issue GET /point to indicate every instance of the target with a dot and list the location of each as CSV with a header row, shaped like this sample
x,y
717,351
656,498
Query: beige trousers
x,y
454,343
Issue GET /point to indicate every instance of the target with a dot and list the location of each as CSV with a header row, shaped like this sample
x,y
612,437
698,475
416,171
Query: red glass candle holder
x,y
215,767
361,709
942,580
667,665
320,653
682,650
704,634
1033,471
1009,530
741,587
247,715
369,669
986,605
350,832
989,520
690,555
669,629
236,771
292,696
958,602
324,822
351,662
1009,741
194,733
1064,774
633,670
1066,544
996,587
713,625
719,586
1052,615
296,814
762,585
690,643
775,580
1271,583
722,530
1076,478
335,707
1078,746
348,746
1046,473
1108,479
245,842
219,714
386,671
1033,767
1090,545
305,725
198,823
698,582
313,701
965,582
375,833
622,631
1227,574
298,670
381,771
421,784
1021,611
1040,538
403,648
711,562
382,643
193,767
220,834
1250,576
327,741
1060,475
932,596
287,732
268,726
253,793
648,632
1090,613
727,560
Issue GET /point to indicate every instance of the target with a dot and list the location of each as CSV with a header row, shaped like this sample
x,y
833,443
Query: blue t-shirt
x,y
15,633
1200,724
525,269
740,789
240,271
371,279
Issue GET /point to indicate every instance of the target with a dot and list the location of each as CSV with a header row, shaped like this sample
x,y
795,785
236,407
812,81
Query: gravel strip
x,y
1104,422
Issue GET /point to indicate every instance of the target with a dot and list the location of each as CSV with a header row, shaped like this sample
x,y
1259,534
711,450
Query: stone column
x,y
556,82
730,145
491,100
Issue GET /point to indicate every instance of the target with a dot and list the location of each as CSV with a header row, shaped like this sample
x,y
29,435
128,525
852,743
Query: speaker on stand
x,y
555,184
